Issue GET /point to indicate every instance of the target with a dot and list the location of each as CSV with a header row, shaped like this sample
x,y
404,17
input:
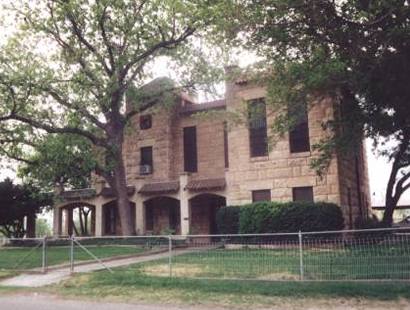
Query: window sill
x,y
258,159
300,154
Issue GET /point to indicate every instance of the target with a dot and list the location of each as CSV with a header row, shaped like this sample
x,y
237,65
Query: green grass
x,y
277,264
131,285
28,258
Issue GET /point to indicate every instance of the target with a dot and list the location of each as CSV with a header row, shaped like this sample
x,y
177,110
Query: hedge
x,y
227,220
275,217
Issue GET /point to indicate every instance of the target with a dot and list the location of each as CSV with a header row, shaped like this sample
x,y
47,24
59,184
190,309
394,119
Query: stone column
x,y
184,204
70,221
139,217
99,219
57,221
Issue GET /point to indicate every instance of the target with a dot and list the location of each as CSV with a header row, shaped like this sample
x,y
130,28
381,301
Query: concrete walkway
x,y
57,275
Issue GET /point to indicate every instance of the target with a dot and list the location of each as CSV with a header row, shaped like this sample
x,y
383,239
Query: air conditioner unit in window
x,y
145,169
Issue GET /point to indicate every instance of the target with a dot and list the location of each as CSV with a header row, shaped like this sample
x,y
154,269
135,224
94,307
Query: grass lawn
x,y
128,285
278,264
27,258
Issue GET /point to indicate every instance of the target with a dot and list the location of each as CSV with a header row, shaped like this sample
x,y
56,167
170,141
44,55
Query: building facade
x,y
185,161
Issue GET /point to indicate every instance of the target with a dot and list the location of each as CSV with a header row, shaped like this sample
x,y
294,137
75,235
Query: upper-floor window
x,y
226,150
302,193
299,134
190,150
146,162
145,121
261,195
258,134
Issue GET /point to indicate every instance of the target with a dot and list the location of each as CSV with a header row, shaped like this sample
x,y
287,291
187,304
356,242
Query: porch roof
x,y
159,188
77,194
108,192
206,184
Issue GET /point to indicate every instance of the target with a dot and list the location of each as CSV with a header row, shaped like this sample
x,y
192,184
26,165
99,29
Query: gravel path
x,y
46,302
34,301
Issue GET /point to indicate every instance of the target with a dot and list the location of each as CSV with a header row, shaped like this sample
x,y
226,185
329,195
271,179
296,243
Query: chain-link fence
x,y
378,254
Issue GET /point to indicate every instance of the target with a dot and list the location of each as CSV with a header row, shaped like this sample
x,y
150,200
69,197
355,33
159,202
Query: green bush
x,y
276,217
227,220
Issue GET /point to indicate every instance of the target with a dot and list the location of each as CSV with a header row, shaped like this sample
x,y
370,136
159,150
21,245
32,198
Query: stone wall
x,y
281,170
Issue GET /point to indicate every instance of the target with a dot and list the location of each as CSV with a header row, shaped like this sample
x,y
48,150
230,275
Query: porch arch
x,y
76,218
111,224
162,215
202,209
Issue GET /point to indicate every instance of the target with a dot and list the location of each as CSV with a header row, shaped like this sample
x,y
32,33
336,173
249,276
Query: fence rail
x,y
348,255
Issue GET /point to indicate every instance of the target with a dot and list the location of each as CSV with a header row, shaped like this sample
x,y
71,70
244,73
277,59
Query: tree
x,y
96,53
43,228
16,203
355,51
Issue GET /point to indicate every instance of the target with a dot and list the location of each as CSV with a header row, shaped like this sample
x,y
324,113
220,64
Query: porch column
x,y
57,221
99,219
70,221
139,217
184,204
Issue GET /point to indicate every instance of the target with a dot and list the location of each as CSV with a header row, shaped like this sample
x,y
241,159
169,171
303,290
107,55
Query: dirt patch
x,y
163,270
279,276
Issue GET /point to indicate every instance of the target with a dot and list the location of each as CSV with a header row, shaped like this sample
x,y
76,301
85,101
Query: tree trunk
x,y
123,204
80,217
388,211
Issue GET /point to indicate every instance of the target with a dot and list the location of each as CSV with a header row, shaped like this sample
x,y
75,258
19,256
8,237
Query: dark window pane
x,y
146,163
258,135
261,195
299,134
226,150
145,121
302,193
190,150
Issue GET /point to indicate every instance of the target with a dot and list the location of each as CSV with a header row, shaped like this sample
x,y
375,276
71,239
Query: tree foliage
x,y
69,68
16,203
354,51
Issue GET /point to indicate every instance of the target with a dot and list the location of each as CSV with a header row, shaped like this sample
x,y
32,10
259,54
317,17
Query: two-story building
x,y
183,164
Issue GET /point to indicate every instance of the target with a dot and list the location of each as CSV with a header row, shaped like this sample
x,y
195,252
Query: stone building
x,y
183,164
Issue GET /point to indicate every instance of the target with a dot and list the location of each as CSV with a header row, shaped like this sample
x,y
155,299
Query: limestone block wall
x,y
159,136
210,147
354,185
281,170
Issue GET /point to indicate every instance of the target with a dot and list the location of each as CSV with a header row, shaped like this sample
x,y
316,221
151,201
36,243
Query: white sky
x,y
378,168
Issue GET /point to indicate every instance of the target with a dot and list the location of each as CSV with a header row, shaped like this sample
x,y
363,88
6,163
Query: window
x,y
146,163
302,193
226,150
145,122
258,135
261,195
190,150
349,204
299,134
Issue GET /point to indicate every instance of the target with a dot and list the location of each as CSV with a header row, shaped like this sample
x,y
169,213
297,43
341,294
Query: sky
x,y
378,167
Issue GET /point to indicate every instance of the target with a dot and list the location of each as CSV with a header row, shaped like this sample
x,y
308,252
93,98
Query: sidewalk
x,y
57,275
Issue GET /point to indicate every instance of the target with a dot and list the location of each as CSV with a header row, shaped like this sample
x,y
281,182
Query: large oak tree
x,y
68,69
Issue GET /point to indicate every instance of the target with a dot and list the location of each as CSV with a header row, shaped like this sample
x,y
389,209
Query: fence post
x,y
170,255
44,257
301,256
71,254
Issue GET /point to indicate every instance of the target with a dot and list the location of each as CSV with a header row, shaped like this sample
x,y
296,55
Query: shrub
x,y
227,220
273,217
259,217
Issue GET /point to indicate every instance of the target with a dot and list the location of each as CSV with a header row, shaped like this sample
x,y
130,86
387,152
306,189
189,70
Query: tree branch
x,y
51,129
